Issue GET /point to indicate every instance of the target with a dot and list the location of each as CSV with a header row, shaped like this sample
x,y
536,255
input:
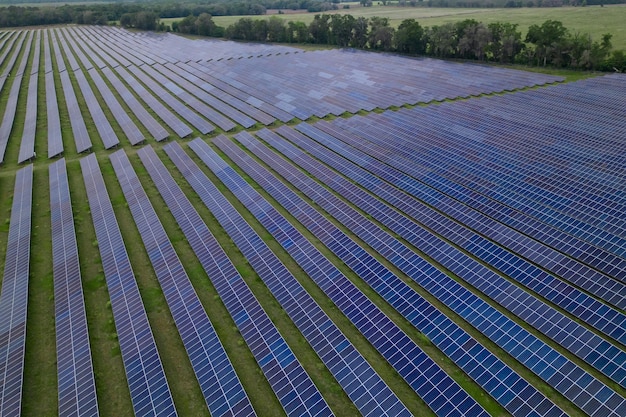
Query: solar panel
x,y
191,101
519,342
149,391
167,116
184,111
9,41
480,364
220,385
73,63
27,144
576,247
76,382
290,382
567,297
55,141
131,131
406,357
239,91
104,128
57,52
321,87
563,266
154,127
14,296
354,374
11,106
177,75
189,73
79,129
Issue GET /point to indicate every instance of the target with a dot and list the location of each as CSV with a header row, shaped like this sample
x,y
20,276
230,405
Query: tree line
x,y
106,11
547,44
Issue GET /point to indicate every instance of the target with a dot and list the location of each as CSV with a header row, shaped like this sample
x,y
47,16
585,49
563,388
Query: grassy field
x,y
594,20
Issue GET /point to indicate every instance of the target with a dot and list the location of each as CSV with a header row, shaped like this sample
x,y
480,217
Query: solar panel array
x,y
219,383
292,385
77,385
14,296
365,388
10,109
531,351
27,143
491,373
79,129
491,231
55,139
229,92
149,390
431,382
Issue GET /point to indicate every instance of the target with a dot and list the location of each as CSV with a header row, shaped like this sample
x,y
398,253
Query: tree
x,y
549,40
360,32
320,29
297,32
381,34
146,20
127,20
474,41
276,29
186,25
442,41
410,37
204,25
341,28
506,41
259,30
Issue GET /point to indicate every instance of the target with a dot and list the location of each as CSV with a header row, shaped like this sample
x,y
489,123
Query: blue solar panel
x,y
154,127
9,41
391,342
362,384
11,106
569,298
234,90
149,391
104,128
250,113
567,268
181,89
27,143
77,386
292,385
451,181
79,130
184,111
14,296
167,116
220,385
471,356
521,344
55,141
131,131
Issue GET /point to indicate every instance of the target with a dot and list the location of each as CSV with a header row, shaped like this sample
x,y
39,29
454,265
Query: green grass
x,y
594,20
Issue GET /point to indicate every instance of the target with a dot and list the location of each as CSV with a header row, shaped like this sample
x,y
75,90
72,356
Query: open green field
x,y
594,20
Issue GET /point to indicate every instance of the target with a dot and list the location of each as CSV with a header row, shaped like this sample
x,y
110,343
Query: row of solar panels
x,y
387,178
187,95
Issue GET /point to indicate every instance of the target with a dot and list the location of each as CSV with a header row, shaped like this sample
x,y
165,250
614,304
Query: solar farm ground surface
x,y
200,227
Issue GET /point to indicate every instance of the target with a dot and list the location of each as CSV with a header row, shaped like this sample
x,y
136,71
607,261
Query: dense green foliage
x,y
548,44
